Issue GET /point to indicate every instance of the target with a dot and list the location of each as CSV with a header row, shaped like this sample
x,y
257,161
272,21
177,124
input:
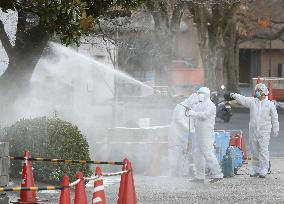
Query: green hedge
x,y
49,138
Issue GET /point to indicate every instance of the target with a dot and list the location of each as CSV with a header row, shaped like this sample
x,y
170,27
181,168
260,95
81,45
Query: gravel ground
x,y
164,190
238,189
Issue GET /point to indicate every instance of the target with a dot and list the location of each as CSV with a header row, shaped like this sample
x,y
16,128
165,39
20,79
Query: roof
x,y
262,44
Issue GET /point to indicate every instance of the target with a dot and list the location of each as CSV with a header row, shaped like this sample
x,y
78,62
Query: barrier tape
x,y
74,183
67,161
95,178
98,177
17,189
92,178
115,174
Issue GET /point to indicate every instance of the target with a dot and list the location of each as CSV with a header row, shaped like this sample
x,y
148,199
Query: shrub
x,y
49,138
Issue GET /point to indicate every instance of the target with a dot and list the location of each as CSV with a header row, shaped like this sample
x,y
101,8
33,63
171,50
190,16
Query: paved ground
x,y
165,190
238,189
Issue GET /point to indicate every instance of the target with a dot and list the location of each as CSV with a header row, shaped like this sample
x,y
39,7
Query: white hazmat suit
x,y
203,114
263,117
178,138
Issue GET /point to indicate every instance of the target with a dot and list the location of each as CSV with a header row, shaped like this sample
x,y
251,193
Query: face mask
x,y
257,94
201,97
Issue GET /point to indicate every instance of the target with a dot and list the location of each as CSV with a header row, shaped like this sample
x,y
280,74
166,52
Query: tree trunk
x,y
231,58
23,58
23,62
212,54
221,62
164,58
167,24
218,43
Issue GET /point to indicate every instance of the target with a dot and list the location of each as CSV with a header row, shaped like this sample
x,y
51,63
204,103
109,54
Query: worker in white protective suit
x,y
179,139
263,118
203,114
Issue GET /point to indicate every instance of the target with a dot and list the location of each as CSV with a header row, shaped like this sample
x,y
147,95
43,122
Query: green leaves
x,y
7,4
61,19
65,18
50,138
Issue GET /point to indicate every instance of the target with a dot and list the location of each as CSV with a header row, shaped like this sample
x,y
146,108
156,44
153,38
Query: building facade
x,y
260,58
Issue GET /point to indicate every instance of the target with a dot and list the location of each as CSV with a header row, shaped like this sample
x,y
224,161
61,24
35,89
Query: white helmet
x,y
203,94
262,87
204,90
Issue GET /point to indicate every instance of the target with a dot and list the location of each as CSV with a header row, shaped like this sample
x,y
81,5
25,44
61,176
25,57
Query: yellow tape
x,y
39,159
33,188
54,160
50,187
82,161
16,189
67,161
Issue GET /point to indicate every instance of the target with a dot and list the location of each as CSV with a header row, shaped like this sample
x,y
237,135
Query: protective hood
x,y
205,91
262,87
192,99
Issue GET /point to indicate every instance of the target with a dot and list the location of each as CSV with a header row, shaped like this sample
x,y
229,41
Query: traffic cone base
x,y
80,192
99,193
127,194
65,195
27,181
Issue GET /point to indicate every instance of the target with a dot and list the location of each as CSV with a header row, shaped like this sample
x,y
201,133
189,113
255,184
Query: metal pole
x,y
270,55
115,93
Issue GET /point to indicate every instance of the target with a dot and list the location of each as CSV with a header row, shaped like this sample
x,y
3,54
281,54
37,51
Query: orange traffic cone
x,y
65,195
154,168
239,141
258,80
127,194
99,193
27,181
80,193
270,94
122,185
244,148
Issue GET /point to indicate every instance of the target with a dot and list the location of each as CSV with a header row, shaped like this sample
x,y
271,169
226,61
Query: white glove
x,y
275,103
191,112
275,133
232,95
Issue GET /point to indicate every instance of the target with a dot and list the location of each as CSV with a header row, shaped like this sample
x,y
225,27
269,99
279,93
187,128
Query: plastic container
x,y
222,140
227,166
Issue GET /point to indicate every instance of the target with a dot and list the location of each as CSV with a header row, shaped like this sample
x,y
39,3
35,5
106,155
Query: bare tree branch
x,y
176,16
160,14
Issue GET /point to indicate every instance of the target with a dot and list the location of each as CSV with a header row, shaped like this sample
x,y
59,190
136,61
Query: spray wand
x,y
186,110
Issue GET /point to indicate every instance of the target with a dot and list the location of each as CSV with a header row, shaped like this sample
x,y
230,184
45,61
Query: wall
x,y
277,58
